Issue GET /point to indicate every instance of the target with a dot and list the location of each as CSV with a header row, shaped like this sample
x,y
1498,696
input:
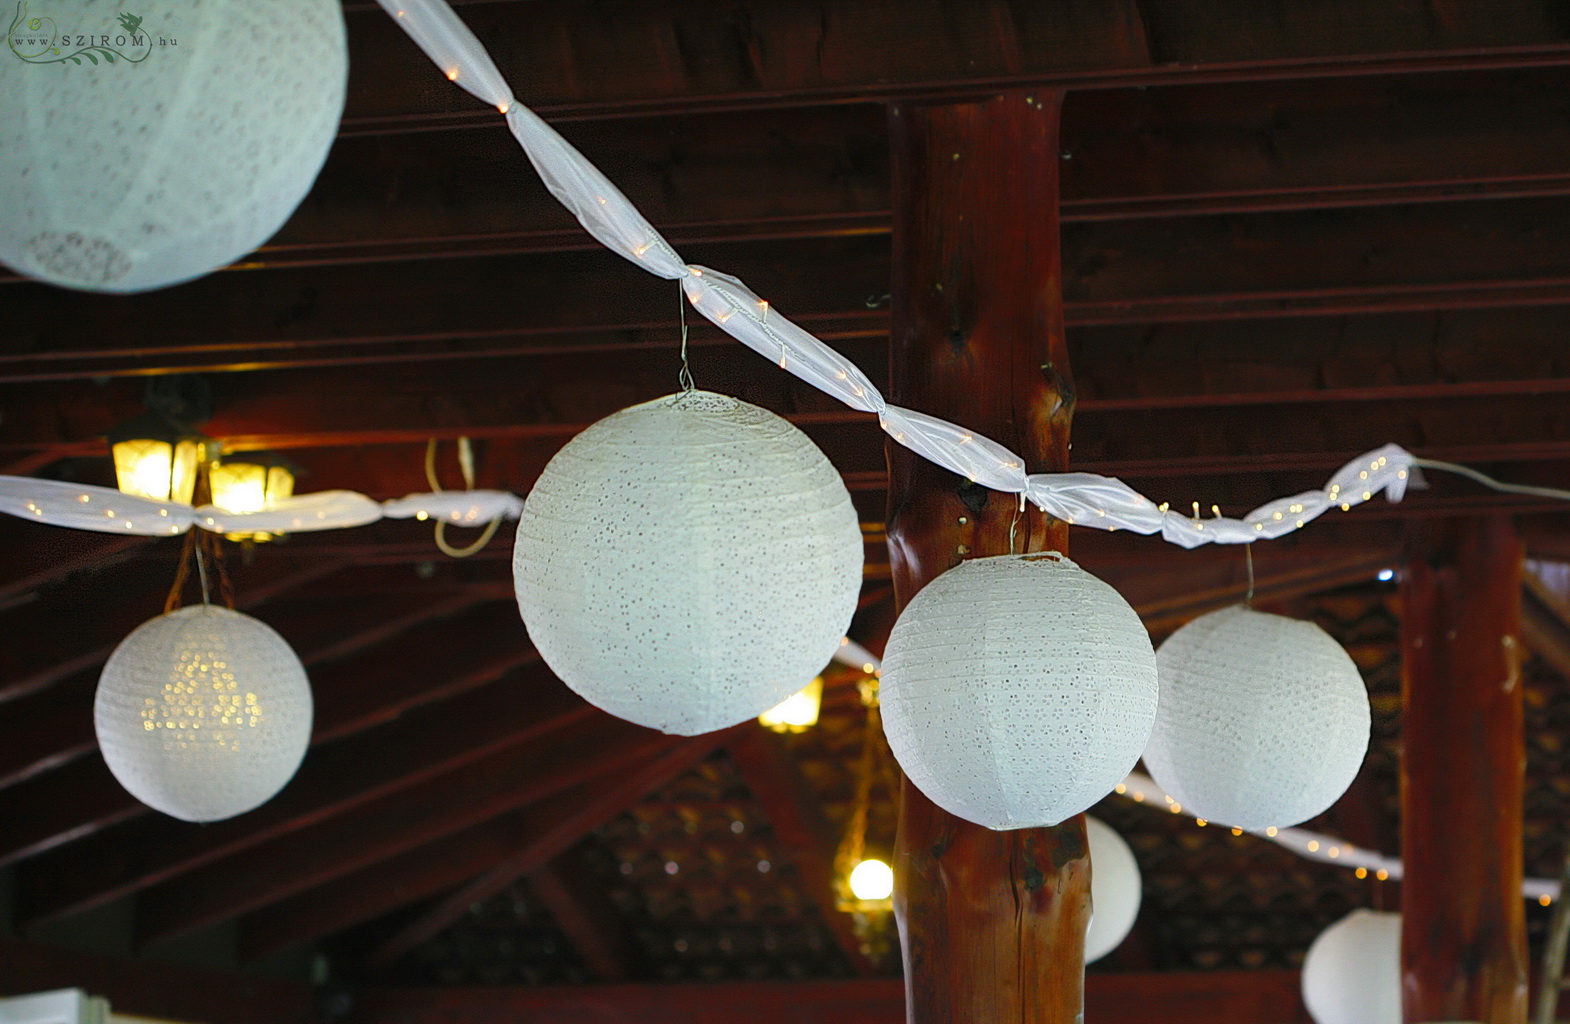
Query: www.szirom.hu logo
x,y
40,41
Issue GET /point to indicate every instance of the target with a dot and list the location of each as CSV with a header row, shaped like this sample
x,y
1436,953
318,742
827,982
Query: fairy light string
x,y
1086,499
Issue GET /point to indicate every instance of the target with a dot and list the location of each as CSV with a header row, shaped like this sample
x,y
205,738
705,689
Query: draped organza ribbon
x,y
1082,498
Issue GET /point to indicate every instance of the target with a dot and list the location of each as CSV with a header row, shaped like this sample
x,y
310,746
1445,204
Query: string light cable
x,y
466,466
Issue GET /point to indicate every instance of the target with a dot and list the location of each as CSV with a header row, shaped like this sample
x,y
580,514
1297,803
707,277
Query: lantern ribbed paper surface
x,y
688,563
1116,889
1263,721
1352,974
203,713
1018,690
141,150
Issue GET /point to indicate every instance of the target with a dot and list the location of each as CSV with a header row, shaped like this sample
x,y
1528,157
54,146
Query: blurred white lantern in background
x,y
203,713
688,563
178,139
1352,974
1116,889
1264,720
1018,690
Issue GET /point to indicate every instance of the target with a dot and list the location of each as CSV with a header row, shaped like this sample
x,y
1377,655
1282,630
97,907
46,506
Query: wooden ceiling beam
x,y
552,839
149,989
801,830
1170,997
1509,253
581,909
428,870
387,827
37,557
335,779
822,171
679,57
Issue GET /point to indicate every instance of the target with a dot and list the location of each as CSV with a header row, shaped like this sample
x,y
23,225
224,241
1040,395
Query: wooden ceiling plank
x,y
335,779
387,827
869,52
801,829
551,843
419,874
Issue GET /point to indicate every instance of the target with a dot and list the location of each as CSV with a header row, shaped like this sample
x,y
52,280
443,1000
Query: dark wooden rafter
x,y
153,990
820,171
1197,997
677,57
549,843
591,922
1463,948
534,834
335,779
801,830
388,826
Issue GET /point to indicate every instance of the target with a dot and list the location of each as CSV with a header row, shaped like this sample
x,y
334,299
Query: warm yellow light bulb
x,y
872,880
798,712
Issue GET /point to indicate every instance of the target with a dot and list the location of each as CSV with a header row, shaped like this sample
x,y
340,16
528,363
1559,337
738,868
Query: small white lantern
x,y
144,149
203,713
1018,690
1263,721
1116,889
688,563
1353,971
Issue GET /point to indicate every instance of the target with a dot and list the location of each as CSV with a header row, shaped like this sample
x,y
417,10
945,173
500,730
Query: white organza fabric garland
x,y
1082,498
106,510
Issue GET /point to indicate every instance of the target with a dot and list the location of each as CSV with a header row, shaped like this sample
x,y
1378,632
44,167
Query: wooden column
x,y
1463,941
992,923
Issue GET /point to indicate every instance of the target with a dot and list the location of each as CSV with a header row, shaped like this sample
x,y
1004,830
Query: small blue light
x,y
1386,575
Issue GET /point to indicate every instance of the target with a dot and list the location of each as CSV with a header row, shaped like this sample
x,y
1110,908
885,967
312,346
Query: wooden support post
x,y
1463,941
992,923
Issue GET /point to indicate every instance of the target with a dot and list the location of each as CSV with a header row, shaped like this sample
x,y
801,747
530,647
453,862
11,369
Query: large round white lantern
x,y
1018,690
203,713
1353,971
1263,721
143,149
1116,889
688,563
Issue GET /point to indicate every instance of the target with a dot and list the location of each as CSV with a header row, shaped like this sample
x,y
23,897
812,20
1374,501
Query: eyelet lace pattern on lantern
x,y
1018,690
688,563
1263,721
203,713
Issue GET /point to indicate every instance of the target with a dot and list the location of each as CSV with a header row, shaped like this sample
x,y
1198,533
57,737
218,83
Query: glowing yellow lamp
x,y
240,486
872,881
157,458
798,712
257,484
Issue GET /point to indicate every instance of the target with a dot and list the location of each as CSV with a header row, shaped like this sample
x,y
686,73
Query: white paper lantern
x,y
1018,690
1263,721
1353,971
688,563
203,713
1116,889
141,150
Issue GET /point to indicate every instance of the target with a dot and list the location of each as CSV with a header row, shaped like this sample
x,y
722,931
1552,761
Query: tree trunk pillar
x,y
1463,939
992,924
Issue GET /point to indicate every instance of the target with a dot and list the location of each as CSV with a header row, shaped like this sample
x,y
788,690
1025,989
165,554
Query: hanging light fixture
x,y
158,458
798,712
254,482
865,883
